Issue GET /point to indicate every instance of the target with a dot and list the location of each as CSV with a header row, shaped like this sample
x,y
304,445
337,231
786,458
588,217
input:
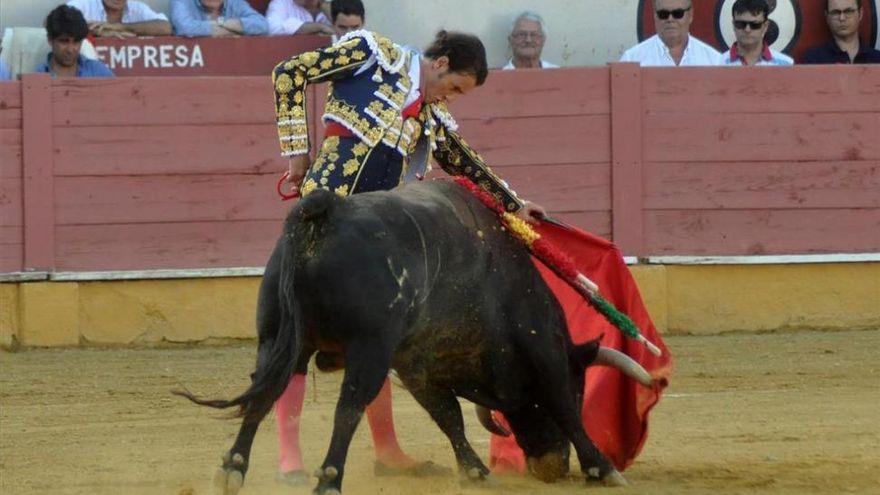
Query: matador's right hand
x,y
298,166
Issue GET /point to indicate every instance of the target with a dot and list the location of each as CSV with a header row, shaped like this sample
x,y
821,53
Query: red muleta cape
x,y
615,410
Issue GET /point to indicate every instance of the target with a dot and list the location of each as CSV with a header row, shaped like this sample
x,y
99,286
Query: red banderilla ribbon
x,y
285,197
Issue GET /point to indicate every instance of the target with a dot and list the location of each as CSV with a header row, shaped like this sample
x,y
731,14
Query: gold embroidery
x,y
348,115
326,63
308,187
283,83
323,181
358,55
330,145
342,60
332,166
298,97
313,72
360,149
350,166
342,190
308,59
332,157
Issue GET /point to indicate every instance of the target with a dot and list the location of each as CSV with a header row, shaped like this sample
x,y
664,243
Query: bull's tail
x,y
275,369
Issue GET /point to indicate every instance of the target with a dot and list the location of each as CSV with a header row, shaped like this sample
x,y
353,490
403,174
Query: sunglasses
x,y
755,25
676,14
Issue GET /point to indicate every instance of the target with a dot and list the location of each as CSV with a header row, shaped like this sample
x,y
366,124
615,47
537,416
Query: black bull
x,y
423,280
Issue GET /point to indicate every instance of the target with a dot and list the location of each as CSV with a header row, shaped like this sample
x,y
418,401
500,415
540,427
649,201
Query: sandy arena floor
x,y
793,413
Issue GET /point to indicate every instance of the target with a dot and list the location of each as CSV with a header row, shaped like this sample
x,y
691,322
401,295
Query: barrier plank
x,y
763,185
565,139
754,232
734,137
538,93
167,198
10,105
187,149
10,153
11,248
162,101
166,245
11,202
763,90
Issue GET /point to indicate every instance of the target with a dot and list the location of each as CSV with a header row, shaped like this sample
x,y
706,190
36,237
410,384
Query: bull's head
x,y
544,444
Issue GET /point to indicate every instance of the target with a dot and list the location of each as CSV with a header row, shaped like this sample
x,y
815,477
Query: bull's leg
x,y
365,372
444,409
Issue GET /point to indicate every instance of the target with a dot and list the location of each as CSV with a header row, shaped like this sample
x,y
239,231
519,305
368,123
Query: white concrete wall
x,y
580,32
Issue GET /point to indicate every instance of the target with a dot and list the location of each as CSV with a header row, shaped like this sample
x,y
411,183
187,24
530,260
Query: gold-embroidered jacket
x,y
370,80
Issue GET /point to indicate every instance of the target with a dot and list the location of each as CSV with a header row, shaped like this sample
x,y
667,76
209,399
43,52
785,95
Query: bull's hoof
x,y
614,478
328,481
230,476
422,470
293,478
549,467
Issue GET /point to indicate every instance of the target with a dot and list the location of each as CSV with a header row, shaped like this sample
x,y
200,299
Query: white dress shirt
x,y
93,11
544,65
286,17
654,53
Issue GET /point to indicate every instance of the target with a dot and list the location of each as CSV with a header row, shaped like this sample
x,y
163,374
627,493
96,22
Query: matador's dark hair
x,y
347,7
66,21
466,53
755,7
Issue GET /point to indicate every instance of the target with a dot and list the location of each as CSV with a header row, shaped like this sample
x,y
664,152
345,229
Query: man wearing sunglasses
x,y
673,44
843,17
750,24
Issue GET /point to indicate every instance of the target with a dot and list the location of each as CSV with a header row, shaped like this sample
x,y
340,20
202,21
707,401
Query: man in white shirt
x,y
750,25
526,41
298,17
121,18
673,44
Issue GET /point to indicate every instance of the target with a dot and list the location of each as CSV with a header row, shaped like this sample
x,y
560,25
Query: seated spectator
x,y
750,24
216,18
347,15
297,17
526,42
5,71
673,44
122,19
66,28
843,17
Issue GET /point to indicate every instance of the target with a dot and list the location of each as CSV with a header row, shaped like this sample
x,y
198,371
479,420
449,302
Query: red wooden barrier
x,y
145,173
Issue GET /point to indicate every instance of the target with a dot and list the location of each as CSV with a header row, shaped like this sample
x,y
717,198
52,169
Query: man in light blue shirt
x,y
216,18
66,28
5,72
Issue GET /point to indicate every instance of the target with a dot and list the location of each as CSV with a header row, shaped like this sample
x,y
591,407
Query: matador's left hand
x,y
531,212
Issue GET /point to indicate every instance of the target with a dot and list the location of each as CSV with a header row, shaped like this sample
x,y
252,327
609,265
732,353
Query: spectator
x,y
750,24
122,19
5,71
347,15
526,41
673,44
66,29
297,17
843,17
216,18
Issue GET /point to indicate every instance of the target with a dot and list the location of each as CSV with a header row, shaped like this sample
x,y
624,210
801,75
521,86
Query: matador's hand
x,y
298,166
531,212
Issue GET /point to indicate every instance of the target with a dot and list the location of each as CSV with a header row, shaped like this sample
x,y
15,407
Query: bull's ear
x,y
584,354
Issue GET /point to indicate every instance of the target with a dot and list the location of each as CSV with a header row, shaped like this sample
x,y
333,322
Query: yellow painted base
x,y
682,299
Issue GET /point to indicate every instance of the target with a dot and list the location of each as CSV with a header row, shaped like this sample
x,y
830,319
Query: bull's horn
x,y
611,357
485,417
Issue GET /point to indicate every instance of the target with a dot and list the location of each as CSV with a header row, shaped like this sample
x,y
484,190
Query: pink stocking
x,y
288,408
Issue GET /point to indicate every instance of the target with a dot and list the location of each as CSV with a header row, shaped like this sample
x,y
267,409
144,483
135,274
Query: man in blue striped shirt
x,y
66,29
750,25
216,18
